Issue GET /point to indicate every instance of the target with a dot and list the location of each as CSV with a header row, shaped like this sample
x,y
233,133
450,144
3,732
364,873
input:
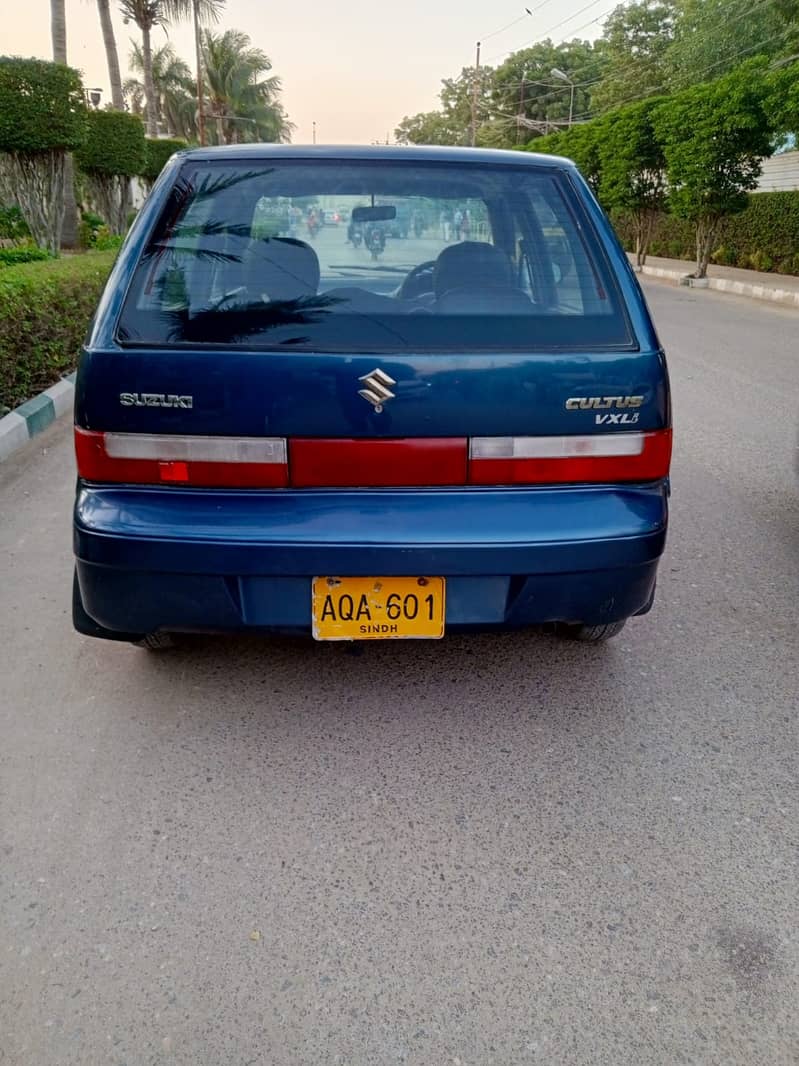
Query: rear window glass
x,y
371,256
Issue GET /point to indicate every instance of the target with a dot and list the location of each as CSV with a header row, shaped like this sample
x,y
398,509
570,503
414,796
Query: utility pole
x,y
475,91
520,113
199,52
314,133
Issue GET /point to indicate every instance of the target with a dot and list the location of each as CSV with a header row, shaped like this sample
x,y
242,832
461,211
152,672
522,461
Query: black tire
x,y
86,625
591,634
156,642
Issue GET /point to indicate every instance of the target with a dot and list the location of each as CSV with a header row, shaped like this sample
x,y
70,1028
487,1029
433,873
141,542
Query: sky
x,y
353,68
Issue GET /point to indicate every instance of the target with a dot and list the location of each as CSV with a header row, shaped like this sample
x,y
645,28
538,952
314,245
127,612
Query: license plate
x,y
378,608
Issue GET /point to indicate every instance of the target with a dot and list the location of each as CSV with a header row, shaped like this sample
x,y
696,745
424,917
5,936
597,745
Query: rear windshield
x,y
371,256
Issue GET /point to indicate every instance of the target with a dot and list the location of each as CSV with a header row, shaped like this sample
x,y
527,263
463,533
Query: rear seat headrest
x,y
282,268
469,264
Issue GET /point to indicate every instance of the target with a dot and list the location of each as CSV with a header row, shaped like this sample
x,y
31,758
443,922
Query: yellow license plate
x,y
378,608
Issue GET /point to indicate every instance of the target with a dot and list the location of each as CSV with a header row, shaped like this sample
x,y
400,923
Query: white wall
x,y
780,173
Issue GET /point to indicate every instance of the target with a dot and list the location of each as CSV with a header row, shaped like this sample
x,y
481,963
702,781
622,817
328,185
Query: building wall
x,y
780,173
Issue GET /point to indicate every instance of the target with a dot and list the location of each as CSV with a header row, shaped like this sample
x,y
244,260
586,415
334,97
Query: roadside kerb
x,y
31,417
773,294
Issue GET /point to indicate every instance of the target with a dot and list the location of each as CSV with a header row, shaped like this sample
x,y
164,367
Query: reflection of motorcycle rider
x,y
313,223
375,238
355,234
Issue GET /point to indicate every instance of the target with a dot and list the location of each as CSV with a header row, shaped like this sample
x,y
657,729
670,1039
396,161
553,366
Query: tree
x,y
430,127
634,44
633,171
711,37
174,89
114,152
549,144
58,33
714,137
582,143
452,123
783,100
42,118
147,14
524,84
111,55
244,104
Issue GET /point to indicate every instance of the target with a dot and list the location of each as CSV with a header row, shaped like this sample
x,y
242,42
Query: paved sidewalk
x,y
776,288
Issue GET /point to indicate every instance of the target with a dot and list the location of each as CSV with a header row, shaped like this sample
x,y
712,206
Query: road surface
x,y
497,849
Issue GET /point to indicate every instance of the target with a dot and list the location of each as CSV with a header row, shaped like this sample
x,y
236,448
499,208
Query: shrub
x,y
13,226
157,152
22,253
114,153
766,232
45,310
42,117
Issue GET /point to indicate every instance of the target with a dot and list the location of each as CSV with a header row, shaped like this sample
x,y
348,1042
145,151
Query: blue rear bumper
x,y
150,559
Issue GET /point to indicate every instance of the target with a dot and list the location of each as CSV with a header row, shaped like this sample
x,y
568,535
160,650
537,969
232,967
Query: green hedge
x,y
41,106
157,152
114,145
763,237
45,310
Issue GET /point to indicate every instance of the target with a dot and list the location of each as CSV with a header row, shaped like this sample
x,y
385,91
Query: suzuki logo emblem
x,y
377,390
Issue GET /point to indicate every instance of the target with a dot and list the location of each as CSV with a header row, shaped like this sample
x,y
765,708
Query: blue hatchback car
x,y
280,429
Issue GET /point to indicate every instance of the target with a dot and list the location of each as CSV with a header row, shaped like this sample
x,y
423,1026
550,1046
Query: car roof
x,y
426,153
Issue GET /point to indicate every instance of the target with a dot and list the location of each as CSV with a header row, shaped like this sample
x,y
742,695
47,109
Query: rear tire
x,y
156,642
591,634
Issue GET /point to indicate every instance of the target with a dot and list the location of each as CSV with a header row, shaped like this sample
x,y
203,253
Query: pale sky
x,y
354,68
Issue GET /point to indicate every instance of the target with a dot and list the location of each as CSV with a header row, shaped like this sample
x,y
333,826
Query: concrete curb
x,y
786,297
31,417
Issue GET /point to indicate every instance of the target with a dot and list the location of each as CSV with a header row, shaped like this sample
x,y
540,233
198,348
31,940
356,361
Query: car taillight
x,y
409,462
152,459
566,460
273,462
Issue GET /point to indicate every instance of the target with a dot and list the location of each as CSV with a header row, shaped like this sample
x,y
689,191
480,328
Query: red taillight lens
x,y
568,460
412,461
151,459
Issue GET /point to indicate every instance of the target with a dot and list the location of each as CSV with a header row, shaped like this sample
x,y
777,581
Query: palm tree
x,y
174,90
111,56
147,14
245,105
58,30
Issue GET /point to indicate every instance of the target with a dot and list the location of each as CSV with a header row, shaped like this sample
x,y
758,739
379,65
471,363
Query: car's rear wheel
x,y
590,634
156,642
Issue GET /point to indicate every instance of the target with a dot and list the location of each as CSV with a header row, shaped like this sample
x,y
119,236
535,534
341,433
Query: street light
x,y
556,73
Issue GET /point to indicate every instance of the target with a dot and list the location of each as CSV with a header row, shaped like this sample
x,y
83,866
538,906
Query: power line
x,y
546,33
587,115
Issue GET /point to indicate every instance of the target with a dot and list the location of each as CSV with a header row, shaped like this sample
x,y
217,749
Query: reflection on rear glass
x,y
372,256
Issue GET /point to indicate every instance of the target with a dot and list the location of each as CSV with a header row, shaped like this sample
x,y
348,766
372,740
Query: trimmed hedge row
x,y
763,237
45,310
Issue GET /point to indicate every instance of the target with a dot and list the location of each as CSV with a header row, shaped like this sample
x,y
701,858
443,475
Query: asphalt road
x,y
497,849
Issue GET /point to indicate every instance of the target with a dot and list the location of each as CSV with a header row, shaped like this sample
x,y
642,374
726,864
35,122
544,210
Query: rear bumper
x,y
151,559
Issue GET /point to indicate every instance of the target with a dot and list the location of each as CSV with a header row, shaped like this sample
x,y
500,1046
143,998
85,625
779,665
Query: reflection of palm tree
x,y
174,89
148,14
244,103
